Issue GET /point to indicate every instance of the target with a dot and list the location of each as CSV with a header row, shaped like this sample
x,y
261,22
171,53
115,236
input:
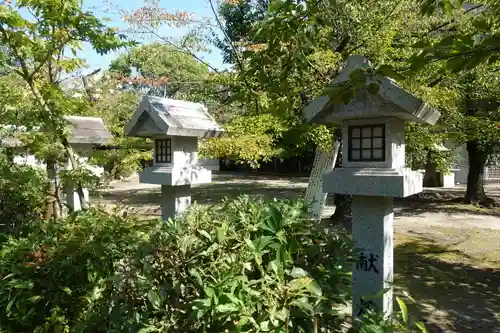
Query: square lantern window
x,y
163,150
367,143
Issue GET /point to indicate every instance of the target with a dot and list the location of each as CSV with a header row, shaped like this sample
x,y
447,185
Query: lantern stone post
x,y
87,134
175,127
373,171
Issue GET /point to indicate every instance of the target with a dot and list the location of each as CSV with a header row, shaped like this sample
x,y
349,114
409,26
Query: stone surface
x,y
373,182
372,230
88,130
181,123
373,172
175,176
390,101
174,200
73,199
162,116
324,161
85,133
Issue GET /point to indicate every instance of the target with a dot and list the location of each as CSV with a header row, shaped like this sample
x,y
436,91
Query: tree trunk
x,y
431,175
324,161
52,208
9,152
475,179
79,189
67,147
343,213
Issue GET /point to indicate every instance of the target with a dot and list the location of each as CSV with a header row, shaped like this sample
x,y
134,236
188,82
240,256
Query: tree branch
x,y
219,23
15,70
238,59
180,48
452,20
378,27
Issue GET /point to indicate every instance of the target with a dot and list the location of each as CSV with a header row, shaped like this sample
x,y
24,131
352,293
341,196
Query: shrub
x,y
244,266
237,266
22,195
51,277
241,266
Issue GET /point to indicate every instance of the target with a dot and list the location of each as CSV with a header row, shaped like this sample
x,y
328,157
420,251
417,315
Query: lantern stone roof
x,y
390,101
163,116
84,130
89,130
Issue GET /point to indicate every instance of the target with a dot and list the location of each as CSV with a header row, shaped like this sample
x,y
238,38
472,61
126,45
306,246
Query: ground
x,y
447,254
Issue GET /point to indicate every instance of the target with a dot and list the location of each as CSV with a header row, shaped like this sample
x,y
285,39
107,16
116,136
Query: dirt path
x,y
447,255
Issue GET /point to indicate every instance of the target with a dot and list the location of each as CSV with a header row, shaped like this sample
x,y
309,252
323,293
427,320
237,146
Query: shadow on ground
x,y
207,194
438,202
452,297
232,176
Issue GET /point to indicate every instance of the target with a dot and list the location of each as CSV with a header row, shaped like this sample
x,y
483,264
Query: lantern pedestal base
x,y
372,231
376,182
176,176
73,199
174,200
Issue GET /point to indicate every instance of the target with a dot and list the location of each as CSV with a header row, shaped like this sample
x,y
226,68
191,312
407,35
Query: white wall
x,y
491,173
29,159
462,164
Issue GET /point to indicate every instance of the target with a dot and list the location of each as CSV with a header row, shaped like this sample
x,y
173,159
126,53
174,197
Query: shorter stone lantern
x,y
175,127
87,133
373,171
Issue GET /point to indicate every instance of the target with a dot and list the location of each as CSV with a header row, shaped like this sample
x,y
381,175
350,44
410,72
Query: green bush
x,y
22,195
51,278
240,266
244,265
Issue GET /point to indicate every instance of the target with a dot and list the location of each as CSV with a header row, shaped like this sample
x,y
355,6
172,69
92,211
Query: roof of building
x,y
86,130
390,101
163,116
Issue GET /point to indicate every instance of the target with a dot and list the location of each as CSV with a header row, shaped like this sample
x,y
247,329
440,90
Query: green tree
x,y
163,69
15,100
299,36
115,105
35,49
237,18
462,55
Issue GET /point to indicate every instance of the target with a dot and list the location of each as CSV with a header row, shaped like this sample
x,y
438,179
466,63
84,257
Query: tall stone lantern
x,y
175,127
373,172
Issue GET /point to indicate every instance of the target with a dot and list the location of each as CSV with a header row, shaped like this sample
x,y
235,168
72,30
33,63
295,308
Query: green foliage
x,y
60,270
291,51
247,144
238,18
16,105
22,194
244,266
116,106
170,70
373,322
476,42
35,48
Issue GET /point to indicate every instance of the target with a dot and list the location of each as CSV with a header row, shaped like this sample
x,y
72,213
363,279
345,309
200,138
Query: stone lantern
x,y
87,133
373,172
175,127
